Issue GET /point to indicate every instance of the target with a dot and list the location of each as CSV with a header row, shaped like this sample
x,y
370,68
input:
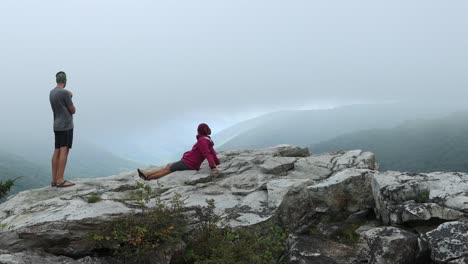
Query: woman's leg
x,y
159,173
147,173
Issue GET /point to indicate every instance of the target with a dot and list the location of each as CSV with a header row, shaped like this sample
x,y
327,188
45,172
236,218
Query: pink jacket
x,y
202,150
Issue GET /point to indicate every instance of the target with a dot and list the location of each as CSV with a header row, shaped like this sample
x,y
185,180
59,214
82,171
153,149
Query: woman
x,y
191,160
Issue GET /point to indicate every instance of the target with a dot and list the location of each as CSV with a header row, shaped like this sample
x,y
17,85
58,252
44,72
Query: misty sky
x,y
143,68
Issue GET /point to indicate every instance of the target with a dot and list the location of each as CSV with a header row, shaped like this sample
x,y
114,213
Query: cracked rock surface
x,y
403,197
336,207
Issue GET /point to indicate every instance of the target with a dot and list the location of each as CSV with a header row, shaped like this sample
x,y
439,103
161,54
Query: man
x,y
63,108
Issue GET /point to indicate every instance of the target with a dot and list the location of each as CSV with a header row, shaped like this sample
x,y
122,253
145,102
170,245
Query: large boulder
x,y
449,242
348,190
388,245
342,194
315,250
404,198
462,260
36,257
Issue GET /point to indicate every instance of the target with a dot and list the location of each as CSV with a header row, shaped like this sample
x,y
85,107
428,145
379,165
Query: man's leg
x,y
55,160
62,163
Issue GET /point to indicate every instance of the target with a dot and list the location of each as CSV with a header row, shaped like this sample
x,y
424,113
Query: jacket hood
x,y
207,137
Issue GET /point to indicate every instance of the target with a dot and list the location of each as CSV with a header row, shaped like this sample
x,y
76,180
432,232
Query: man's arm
x,y
69,102
72,109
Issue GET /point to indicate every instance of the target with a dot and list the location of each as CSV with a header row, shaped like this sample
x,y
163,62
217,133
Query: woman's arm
x,y
205,151
216,159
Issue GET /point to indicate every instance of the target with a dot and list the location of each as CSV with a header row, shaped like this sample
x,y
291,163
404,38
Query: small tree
x,y
5,187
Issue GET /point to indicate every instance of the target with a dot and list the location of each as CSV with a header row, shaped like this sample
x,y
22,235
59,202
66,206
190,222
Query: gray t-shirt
x,y
60,99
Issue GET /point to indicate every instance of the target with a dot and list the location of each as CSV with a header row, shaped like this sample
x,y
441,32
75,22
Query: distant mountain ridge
x,y
415,146
34,169
30,175
306,127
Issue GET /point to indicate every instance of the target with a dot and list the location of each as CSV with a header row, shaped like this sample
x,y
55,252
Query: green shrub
x,y
5,187
347,234
142,195
212,243
423,196
143,231
93,198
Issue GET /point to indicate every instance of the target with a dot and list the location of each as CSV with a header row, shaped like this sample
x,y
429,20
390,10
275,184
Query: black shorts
x,y
64,139
179,166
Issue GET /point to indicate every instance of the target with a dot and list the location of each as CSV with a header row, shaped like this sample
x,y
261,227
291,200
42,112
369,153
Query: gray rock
x,y
367,227
200,178
315,167
463,260
313,250
346,192
36,257
289,151
388,245
424,212
278,165
403,197
449,242
277,189
92,260
353,159
58,237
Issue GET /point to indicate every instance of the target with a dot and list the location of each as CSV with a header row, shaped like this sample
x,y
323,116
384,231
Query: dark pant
x,y
64,139
179,166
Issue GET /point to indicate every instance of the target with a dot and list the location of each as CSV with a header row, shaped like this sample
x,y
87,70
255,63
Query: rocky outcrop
x,y
251,189
333,204
402,198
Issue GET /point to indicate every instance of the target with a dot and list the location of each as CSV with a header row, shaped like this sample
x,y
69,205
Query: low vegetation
x,y
93,198
213,243
157,228
146,229
423,196
347,234
5,187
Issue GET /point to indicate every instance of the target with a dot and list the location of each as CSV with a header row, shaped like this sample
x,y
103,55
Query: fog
x,y
145,73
